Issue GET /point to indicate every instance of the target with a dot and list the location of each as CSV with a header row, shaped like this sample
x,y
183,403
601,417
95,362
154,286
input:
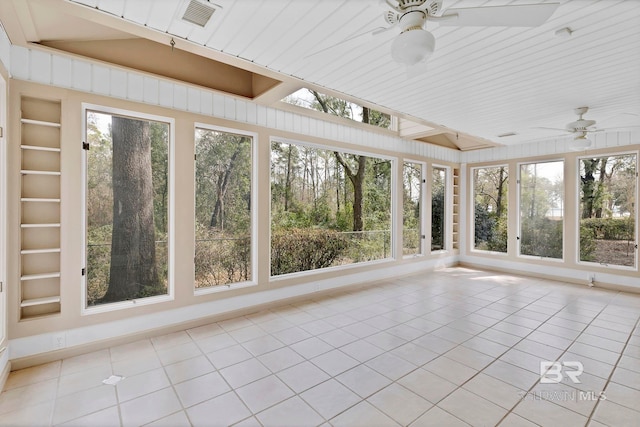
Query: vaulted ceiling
x,y
480,83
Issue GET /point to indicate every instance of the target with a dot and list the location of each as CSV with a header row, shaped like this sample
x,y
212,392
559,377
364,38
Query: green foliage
x,y
298,249
608,228
221,258
541,237
587,243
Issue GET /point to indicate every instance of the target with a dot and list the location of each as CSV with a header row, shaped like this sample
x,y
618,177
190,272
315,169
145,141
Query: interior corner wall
x,y
5,47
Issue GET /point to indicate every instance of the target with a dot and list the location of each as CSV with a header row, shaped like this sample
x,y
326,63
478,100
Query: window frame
x,y
423,210
471,209
253,214
170,295
447,239
636,216
392,214
518,210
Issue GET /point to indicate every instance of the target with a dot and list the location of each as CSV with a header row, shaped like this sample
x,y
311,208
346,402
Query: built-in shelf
x,y
39,123
32,172
39,200
40,301
39,276
49,225
39,148
40,249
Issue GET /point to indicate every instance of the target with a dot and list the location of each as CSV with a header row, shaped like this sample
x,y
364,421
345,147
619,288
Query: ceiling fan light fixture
x,y
580,143
412,46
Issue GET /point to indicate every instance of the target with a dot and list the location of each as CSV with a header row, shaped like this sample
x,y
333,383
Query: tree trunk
x,y
133,253
588,187
500,189
217,218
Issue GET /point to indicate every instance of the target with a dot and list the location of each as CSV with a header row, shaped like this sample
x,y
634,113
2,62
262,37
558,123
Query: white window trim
x,y
447,238
394,207
423,211
518,216
170,296
471,210
577,226
254,204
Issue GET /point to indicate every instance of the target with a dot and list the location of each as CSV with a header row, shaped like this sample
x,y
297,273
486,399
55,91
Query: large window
x,y
328,208
438,208
542,209
412,208
223,208
608,189
490,201
127,206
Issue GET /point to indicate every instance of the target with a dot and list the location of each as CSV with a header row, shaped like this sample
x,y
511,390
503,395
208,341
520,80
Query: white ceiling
x,y
482,81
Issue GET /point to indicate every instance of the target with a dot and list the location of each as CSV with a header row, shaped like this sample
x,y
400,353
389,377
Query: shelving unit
x,y
40,208
456,209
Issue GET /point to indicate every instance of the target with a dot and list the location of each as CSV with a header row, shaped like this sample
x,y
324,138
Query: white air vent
x,y
199,13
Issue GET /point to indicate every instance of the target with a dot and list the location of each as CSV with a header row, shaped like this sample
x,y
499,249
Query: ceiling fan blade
x,y
548,128
352,41
524,15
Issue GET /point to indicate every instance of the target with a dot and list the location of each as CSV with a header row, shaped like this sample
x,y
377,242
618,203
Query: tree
x,y
133,269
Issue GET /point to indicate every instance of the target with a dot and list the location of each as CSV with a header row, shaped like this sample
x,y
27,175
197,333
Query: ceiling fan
x,y
414,44
579,128
582,127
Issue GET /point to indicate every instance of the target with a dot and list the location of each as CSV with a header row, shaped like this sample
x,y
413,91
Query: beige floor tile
x,y
363,415
591,366
170,340
201,388
32,394
623,395
494,390
450,370
437,417
435,344
138,385
524,360
264,393
83,362
334,362
188,369
293,412
566,396
83,380
82,403
541,350
205,331
106,417
472,408
215,342
262,345
248,333
30,416
337,338
513,420
311,347
414,354
546,413
33,375
363,380
229,356
626,377
244,373
362,350
178,353
228,410
469,357
292,335
303,376
500,337
280,359
179,419
235,323
391,366
136,365
385,340
399,403
249,422
330,398
612,414
511,374
134,350
428,385
485,346
630,363
150,407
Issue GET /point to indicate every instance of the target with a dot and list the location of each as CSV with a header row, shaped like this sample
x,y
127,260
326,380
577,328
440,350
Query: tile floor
x,y
451,348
